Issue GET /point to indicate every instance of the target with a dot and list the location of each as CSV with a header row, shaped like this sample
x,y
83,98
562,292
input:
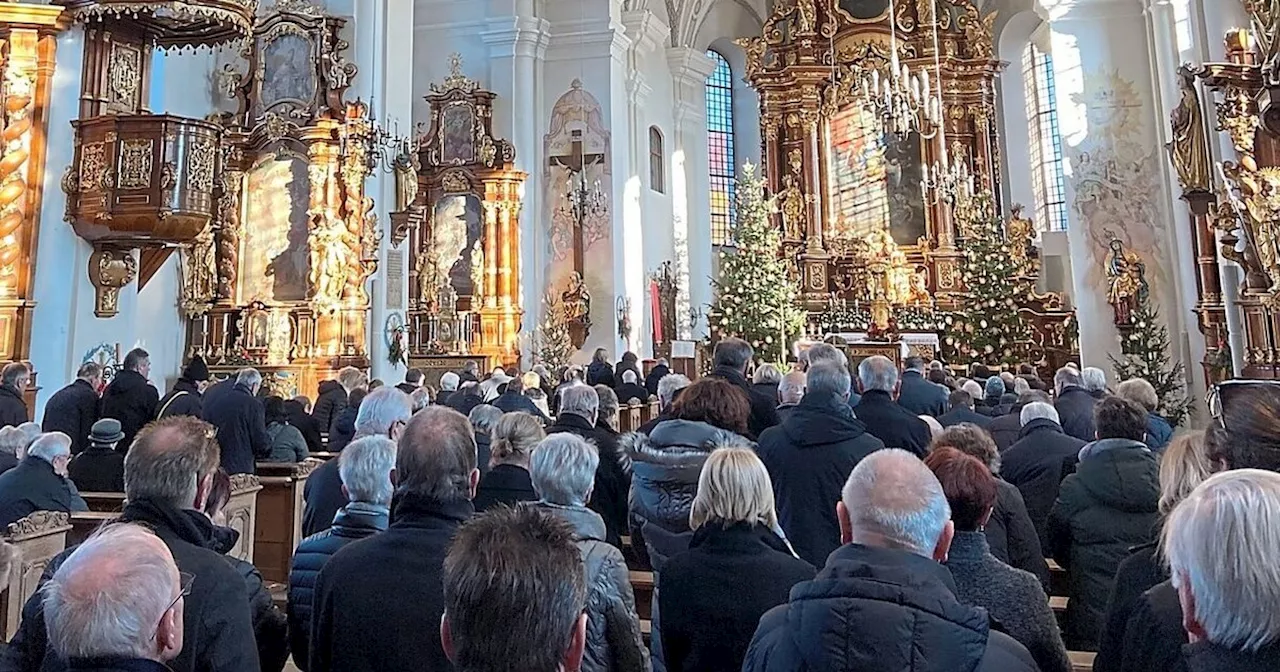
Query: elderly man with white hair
x,y
1222,544
241,422
563,471
448,386
1075,403
579,410
883,601
365,466
879,410
384,412
1036,462
668,389
115,604
40,482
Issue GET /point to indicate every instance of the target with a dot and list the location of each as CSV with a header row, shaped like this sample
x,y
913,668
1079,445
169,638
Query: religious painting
x,y
288,70
456,227
276,250
865,9
457,134
874,180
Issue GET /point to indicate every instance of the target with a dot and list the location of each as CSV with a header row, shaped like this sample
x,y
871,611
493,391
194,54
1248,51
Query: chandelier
x,y
585,201
947,182
901,100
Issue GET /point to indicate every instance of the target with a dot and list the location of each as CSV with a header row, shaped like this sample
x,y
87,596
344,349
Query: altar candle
x,y
924,80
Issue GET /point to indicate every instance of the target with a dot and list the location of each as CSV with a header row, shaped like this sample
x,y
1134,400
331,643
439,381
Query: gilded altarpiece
x,y
464,289
840,179
279,278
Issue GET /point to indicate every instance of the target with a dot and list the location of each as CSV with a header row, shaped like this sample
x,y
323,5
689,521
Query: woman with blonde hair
x,y
1184,466
737,567
511,443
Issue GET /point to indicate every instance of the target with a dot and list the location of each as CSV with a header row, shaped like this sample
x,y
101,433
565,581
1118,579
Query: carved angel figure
x,y
1128,282
806,17
332,259
1189,147
477,269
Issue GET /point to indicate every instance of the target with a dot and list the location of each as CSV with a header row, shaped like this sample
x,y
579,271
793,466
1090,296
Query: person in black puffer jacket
x,y
333,395
366,469
600,372
1107,507
270,627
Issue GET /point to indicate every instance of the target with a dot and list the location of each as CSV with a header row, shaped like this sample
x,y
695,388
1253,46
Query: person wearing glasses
x,y
168,474
117,603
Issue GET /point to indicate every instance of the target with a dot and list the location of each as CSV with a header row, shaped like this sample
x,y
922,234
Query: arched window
x,y
1046,143
720,148
657,172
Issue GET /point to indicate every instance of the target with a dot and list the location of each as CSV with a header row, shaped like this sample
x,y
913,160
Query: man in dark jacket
x,y
917,394
130,398
1107,507
217,626
333,395
343,429
579,409
365,467
961,404
412,381
809,456
630,390
883,601
13,406
370,589
514,401
470,373
483,418
791,392
385,412
1037,462
466,398
884,418
730,361
657,373
73,409
241,423
299,412
187,395
1007,428
39,482
994,405
1075,405
101,467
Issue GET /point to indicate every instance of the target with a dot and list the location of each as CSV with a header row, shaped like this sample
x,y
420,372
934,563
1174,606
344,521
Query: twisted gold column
x,y
18,90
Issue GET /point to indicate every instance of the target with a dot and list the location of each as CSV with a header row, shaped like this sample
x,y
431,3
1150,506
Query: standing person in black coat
x,y
883,602
168,475
365,467
101,467
508,483
993,404
1006,429
765,381
39,482
629,362
13,407
1010,534
600,372
343,429
579,409
333,395
412,381
809,457
731,358
513,400
73,409
130,398
1107,507
241,424
367,592
917,394
187,395
659,371
1075,405
961,405
299,412
884,418
466,398
736,568
1038,461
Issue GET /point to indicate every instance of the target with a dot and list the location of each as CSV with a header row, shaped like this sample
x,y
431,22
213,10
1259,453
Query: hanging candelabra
x,y
946,179
901,100
585,201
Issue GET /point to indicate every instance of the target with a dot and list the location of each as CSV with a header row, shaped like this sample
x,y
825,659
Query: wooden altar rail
x,y
634,415
38,538
279,516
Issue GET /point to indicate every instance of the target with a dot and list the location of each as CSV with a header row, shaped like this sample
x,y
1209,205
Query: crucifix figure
x,y
584,200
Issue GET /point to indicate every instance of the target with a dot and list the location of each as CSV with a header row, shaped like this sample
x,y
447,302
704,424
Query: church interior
x,y
307,186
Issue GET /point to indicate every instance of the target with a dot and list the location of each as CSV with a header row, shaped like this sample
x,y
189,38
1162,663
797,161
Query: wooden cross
x,y
576,162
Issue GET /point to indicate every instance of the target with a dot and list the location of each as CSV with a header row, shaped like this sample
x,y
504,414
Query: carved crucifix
x,y
579,193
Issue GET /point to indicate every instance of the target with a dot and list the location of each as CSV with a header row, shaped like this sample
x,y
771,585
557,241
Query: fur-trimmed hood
x,y
674,443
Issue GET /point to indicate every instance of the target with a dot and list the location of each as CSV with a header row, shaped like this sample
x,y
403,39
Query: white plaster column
x,y
383,42
1111,118
517,46
691,186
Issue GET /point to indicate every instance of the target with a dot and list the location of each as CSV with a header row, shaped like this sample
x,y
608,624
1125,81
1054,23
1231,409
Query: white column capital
x,y
512,36
1087,10
638,90
689,66
646,31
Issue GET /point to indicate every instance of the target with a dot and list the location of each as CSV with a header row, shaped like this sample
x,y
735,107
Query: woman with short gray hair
x,y
513,439
563,470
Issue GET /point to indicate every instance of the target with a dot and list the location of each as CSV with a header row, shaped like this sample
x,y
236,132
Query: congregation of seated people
x,y
810,515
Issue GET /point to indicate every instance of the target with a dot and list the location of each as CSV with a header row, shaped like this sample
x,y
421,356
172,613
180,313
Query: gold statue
x,y
577,301
331,259
428,276
806,17
200,277
477,270
920,287
1127,275
792,204
406,171
1189,147
1021,232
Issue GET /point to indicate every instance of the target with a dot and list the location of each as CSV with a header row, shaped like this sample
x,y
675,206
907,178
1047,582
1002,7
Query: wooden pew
x,y
324,456
38,538
1059,580
1081,661
83,524
629,418
642,586
278,525
109,502
242,514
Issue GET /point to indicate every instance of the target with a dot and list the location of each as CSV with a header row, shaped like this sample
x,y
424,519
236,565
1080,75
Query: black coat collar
x,y
415,511
1040,425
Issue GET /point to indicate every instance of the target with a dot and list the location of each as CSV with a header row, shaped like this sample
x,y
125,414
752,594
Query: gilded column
x,y
504,271
490,254
30,33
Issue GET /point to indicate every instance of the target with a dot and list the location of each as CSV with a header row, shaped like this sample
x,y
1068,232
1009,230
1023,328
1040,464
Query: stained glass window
x,y
720,148
657,171
1046,143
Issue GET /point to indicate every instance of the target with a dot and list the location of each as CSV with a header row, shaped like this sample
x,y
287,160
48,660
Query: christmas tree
x,y
988,328
755,295
1146,356
551,337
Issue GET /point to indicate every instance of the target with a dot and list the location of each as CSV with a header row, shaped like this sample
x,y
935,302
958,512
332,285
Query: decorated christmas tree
x,y
551,338
1146,355
755,295
988,328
